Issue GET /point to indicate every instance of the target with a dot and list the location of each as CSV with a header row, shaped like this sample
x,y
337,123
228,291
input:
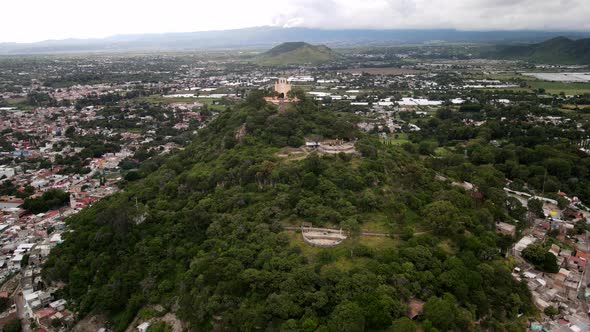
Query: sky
x,y
37,20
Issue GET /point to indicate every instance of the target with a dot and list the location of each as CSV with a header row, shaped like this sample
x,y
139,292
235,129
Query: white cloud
x,y
33,20
457,14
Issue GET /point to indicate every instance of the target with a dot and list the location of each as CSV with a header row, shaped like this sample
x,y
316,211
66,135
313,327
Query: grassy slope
x,y
296,54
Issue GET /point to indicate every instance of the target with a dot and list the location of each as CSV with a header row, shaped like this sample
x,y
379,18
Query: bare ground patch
x,y
90,323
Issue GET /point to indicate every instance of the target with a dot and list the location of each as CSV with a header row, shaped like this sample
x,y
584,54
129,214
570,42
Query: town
x,y
76,130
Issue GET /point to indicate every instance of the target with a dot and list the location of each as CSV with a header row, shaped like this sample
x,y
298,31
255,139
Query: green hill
x,y
560,50
297,53
201,233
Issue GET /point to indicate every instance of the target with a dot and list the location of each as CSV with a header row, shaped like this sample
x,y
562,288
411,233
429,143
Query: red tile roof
x,y
45,312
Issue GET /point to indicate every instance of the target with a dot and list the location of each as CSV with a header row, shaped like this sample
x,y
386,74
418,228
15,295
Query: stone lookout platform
x,y
332,146
322,237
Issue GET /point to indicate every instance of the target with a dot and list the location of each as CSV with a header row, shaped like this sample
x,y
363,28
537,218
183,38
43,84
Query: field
x,y
558,87
502,76
573,108
551,87
382,71
342,256
19,103
441,151
401,139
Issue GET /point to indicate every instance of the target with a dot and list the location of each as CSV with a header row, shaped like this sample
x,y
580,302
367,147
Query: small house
x,y
505,229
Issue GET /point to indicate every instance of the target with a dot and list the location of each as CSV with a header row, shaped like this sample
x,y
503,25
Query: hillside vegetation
x,y
297,53
560,50
201,233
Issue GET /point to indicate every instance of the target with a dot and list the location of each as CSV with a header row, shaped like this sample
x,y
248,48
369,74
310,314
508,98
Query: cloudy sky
x,y
35,20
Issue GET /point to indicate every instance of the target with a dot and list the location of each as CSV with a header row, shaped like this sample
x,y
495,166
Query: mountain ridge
x,y
558,50
267,36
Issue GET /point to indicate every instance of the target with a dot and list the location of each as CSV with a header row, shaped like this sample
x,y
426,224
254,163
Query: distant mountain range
x,y
560,50
265,37
297,53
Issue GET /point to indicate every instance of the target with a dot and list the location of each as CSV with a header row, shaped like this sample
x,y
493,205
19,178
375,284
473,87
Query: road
x,y
19,300
584,281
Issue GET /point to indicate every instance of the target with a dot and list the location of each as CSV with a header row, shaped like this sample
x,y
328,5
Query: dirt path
x,y
377,234
169,318
19,300
11,284
176,324
90,323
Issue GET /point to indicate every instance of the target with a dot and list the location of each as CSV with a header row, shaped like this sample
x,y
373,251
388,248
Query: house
x,y
571,214
505,229
524,242
312,144
578,261
555,249
143,327
465,185
565,253
43,316
58,305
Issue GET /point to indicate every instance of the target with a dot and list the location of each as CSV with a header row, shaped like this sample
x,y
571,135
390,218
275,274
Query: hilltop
x,y
201,233
297,53
560,50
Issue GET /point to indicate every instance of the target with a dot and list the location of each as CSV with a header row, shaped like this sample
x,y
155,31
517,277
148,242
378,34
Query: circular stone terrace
x,y
322,237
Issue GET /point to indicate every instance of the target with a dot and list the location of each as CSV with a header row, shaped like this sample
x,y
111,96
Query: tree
x,y
132,176
427,147
515,208
562,202
376,310
50,199
442,312
404,324
482,155
256,99
127,164
4,304
70,131
540,256
351,226
551,311
25,260
347,317
536,207
559,167
13,326
56,323
443,216
159,327
535,253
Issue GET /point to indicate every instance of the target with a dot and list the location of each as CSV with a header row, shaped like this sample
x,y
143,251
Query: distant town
x,y
76,130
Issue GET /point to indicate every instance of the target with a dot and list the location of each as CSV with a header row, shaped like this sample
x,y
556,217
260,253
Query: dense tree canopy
x,y
203,229
51,199
540,256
